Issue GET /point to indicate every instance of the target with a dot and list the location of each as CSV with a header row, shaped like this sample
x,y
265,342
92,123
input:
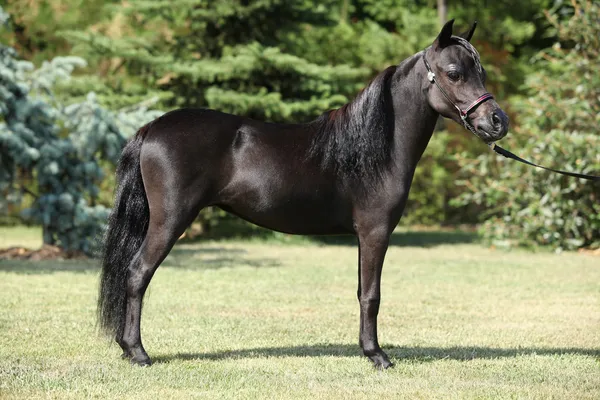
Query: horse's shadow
x,y
214,257
407,239
399,353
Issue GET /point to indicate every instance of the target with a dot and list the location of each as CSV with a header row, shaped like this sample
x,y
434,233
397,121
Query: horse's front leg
x,y
373,245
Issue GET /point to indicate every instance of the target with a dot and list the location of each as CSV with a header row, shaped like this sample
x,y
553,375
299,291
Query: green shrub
x,y
558,127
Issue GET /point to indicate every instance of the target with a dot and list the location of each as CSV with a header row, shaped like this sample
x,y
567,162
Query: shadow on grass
x,y
398,353
189,256
238,229
407,239
417,238
28,267
182,258
214,258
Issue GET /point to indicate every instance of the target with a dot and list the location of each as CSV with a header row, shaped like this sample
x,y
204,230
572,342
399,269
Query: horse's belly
x,y
281,192
302,215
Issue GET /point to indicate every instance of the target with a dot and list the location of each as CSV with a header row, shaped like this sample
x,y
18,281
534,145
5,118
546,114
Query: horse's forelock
x,y
471,49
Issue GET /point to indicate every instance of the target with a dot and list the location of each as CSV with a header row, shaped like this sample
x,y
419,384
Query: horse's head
x,y
457,85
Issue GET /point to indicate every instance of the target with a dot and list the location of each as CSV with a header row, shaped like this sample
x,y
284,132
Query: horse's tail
x,y
127,226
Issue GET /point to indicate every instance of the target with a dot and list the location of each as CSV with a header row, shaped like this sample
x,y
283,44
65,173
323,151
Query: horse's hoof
x,y
141,362
383,364
381,361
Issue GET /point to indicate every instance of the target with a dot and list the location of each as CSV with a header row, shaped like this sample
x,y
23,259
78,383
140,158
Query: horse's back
x,y
203,136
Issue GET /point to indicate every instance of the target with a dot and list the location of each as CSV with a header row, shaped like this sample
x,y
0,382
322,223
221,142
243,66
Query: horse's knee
x,y
369,304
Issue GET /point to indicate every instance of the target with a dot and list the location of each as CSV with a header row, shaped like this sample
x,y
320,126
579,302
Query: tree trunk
x,y
442,7
47,236
344,11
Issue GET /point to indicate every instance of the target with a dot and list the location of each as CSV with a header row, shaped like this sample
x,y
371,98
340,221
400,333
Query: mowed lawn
x,y
235,319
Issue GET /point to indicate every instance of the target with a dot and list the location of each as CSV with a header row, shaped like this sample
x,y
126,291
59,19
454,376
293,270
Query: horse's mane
x,y
355,140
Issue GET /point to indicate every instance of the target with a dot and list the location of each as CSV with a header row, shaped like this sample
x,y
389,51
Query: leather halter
x,y
464,114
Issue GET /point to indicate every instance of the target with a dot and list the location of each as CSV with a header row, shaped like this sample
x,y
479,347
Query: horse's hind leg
x,y
169,217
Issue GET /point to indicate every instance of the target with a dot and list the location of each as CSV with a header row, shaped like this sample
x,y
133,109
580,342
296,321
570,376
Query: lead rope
x,y
508,154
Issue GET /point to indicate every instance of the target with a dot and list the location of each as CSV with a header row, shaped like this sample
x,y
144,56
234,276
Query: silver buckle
x,y
431,76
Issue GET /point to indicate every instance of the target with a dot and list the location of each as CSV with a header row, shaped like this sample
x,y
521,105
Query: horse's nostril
x,y
496,119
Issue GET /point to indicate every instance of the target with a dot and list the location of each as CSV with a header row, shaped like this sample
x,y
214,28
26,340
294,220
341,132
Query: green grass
x,y
235,319
26,236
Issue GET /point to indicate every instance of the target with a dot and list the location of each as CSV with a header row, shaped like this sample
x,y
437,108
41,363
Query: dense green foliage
x,y
32,145
290,61
35,25
558,126
53,152
229,55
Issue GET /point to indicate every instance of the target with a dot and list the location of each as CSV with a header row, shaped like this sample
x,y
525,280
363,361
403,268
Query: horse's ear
x,y
469,34
445,36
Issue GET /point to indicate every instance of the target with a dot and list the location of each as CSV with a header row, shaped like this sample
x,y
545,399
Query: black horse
x,y
347,172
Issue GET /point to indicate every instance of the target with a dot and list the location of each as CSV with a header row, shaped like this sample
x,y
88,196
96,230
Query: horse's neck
x,y
414,119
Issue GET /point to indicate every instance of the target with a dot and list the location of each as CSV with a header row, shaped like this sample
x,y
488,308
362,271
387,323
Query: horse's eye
x,y
453,75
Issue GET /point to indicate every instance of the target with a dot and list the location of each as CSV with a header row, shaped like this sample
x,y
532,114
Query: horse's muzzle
x,y
494,126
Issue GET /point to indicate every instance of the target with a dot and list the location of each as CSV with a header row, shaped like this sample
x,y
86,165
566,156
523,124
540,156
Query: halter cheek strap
x,y
464,114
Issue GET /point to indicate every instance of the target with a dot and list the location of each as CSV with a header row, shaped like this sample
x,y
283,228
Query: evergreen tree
x,y
52,152
35,25
232,55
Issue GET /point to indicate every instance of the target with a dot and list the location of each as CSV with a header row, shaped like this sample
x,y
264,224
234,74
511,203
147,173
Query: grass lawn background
x,y
240,319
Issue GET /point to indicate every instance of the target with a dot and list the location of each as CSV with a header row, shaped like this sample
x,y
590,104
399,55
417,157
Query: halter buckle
x,y
431,76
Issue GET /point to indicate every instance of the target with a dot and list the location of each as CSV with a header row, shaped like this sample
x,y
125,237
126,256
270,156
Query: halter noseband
x,y
464,114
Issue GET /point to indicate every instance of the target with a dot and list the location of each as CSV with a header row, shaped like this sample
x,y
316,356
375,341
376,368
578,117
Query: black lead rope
x,y
464,116
508,154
